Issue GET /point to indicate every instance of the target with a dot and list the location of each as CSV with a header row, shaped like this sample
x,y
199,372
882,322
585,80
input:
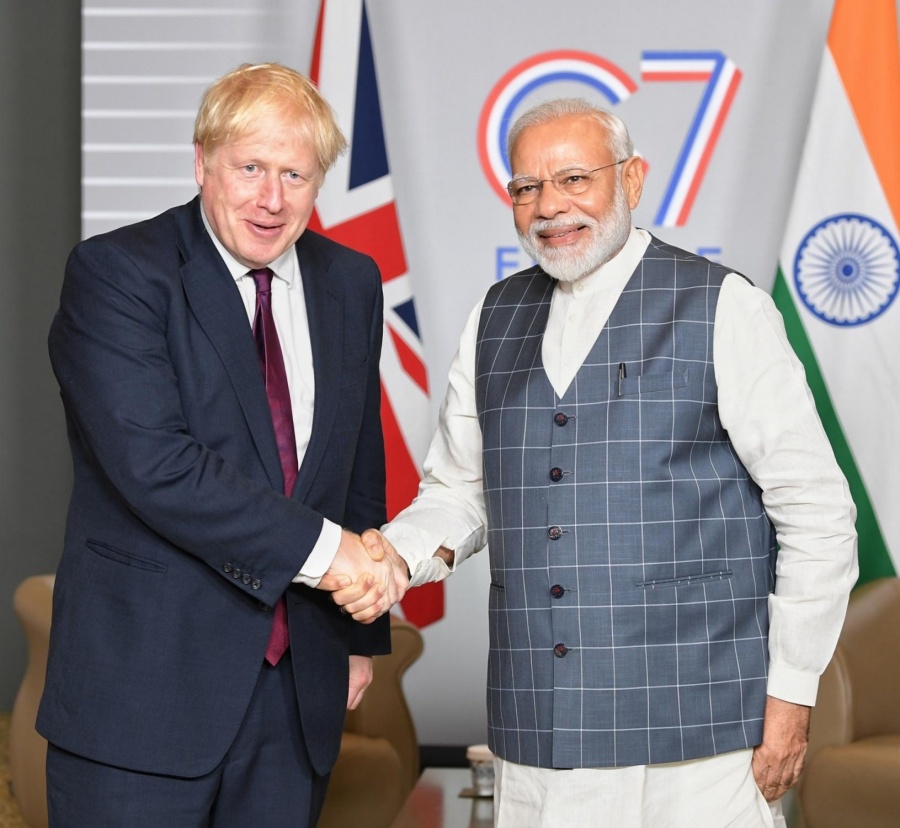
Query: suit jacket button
x,y
236,574
560,650
246,579
263,606
256,583
227,568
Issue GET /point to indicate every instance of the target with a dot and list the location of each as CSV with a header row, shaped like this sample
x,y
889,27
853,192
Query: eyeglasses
x,y
569,183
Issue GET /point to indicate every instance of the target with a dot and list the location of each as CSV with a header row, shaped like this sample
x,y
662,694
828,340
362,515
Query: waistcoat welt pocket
x,y
686,580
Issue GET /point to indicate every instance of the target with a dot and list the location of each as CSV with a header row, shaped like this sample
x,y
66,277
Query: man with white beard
x,y
628,429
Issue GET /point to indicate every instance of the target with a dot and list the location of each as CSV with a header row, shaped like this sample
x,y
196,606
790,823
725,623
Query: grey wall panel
x,y
40,172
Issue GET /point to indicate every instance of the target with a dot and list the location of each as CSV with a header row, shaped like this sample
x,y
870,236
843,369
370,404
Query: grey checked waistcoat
x,y
631,557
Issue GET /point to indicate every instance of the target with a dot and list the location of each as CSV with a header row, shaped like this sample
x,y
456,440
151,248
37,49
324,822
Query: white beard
x,y
569,264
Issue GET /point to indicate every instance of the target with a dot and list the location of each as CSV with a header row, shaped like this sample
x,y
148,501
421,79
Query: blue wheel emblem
x,y
847,270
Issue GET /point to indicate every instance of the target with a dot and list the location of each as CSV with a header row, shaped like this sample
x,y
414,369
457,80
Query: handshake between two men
x,y
367,576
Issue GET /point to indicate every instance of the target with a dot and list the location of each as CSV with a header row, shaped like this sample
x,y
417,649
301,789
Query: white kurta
x,y
768,411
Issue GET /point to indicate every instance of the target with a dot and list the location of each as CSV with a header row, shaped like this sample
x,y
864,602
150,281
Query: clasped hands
x,y
367,576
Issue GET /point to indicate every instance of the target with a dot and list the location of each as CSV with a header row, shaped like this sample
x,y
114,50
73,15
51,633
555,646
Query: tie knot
x,y
263,279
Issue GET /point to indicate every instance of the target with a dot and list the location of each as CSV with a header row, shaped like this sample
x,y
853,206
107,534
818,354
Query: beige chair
x,y
379,761
27,750
377,767
852,776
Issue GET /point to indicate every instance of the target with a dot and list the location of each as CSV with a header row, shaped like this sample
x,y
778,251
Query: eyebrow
x,y
560,171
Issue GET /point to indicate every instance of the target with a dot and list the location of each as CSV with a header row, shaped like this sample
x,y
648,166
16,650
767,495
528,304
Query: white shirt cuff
x,y
417,548
321,556
792,685
434,569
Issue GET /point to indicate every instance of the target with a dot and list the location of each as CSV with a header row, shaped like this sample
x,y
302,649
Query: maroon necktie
x,y
272,364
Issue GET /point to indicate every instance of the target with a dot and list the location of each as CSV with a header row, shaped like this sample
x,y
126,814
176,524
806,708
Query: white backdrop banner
x,y
716,93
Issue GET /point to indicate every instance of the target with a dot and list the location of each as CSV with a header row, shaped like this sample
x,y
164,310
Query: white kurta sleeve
x,y
449,508
769,413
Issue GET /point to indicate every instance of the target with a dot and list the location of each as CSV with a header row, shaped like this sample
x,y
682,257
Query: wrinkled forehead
x,y
564,143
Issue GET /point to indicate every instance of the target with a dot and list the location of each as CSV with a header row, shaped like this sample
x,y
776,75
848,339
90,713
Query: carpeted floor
x,y
9,812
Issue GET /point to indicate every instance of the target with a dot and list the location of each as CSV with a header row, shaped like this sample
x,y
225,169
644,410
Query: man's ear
x,y
199,170
633,180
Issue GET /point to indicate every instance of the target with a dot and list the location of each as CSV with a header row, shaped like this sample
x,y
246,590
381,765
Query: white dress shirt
x,y
292,325
768,411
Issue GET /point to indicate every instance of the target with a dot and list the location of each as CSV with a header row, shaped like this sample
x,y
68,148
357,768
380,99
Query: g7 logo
x,y
718,73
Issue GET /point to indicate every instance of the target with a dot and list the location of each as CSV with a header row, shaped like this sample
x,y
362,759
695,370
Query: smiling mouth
x,y
264,228
561,234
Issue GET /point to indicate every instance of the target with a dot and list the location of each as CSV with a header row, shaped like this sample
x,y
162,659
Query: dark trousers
x,y
264,780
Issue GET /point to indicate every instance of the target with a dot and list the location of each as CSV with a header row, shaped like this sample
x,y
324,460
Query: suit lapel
x,y
324,309
216,303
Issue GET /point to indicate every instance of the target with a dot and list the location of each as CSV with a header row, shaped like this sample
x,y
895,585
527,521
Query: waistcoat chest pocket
x,y
648,383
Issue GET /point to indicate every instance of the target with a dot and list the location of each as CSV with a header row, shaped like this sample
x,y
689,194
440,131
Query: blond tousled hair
x,y
232,104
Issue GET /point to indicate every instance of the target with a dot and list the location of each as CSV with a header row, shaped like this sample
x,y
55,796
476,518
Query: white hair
x,y
617,138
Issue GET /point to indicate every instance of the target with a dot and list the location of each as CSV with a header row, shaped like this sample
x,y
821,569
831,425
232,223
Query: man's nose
x,y
271,193
550,201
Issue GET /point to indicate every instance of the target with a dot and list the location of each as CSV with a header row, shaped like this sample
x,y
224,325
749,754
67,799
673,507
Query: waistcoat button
x,y
560,650
554,533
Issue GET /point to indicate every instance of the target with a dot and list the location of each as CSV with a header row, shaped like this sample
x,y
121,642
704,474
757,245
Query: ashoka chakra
x,y
847,269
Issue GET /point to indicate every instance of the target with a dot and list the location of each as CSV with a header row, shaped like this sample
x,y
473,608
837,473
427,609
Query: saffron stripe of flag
x,y
356,207
839,269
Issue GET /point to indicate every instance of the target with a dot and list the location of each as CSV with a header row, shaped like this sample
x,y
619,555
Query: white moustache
x,y
542,225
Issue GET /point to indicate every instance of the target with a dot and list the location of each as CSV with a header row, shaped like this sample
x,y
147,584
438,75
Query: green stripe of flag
x,y
874,560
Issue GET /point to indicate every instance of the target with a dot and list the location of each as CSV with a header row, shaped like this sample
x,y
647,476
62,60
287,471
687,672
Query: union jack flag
x,y
356,207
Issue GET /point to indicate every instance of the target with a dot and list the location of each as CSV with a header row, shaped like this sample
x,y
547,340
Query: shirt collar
x,y
285,267
614,274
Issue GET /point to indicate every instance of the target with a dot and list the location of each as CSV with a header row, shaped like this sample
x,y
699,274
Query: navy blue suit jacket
x,y
179,540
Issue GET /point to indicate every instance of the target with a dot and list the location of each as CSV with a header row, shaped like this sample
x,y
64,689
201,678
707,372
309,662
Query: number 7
x,y
722,79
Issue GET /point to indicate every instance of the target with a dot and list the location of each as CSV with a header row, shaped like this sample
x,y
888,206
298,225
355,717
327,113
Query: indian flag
x,y
839,269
